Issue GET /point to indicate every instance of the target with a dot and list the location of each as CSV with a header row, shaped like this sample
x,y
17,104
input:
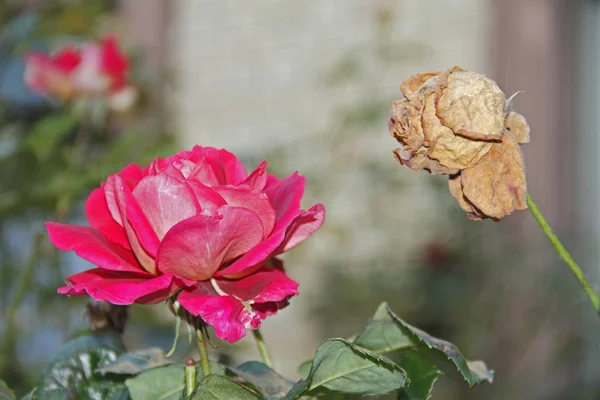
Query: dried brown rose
x,y
459,123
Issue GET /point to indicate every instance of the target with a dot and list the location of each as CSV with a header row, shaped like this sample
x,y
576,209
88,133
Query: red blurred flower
x,y
92,69
195,222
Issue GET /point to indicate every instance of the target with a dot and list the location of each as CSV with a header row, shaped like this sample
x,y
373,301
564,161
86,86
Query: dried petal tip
x,y
459,123
190,362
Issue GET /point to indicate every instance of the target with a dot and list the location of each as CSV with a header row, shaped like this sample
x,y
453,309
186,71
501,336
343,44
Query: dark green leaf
x,y
216,387
5,392
263,378
47,133
134,362
72,371
422,376
474,372
342,367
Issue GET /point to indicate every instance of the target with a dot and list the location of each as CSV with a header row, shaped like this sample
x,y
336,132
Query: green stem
x,y
564,254
190,377
202,349
262,348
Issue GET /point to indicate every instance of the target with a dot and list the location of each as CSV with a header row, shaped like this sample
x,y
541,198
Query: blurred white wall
x,y
250,77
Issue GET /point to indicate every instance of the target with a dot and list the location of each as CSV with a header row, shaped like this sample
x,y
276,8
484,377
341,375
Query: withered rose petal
x,y
472,106
420,161
517,125
410,86
450,150
496,186
454,182
405,125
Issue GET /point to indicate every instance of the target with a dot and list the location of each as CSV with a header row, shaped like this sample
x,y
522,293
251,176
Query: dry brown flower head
x,y
459,123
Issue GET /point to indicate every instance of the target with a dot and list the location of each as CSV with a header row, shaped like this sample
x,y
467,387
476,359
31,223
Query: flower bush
x,y
92,69
196,225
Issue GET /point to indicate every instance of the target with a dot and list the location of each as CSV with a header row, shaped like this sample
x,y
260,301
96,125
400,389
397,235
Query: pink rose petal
x,y
165,201
225,314
302,227
197,247
257,179
100,218
91,245
253,200
265,285
121,289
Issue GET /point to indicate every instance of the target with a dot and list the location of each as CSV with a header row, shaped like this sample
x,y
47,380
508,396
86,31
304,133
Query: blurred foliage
x,y
51,156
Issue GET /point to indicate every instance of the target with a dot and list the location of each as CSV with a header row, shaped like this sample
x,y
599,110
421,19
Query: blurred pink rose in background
x,y
92,69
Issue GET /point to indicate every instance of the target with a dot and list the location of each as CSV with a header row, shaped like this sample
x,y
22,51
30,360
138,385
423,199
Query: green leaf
x,y
134,362
342,367
383,335
422,375
263,378
304,368
216,387
162,383
474,372
5,392
48,132
297,390
165,382
72,373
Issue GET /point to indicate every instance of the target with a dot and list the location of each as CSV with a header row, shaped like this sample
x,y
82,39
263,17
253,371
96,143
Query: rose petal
x,y
285,196
113,62
472,105
139,222
302,227
91,245
67,59
42,76
207,198
517,125
496,186
254,257
144,258
130,176
99,217
197,247
87,77
257,179
122,289
263,310
165,201
225,314
253,200
410,86
450,150
265,285
232,170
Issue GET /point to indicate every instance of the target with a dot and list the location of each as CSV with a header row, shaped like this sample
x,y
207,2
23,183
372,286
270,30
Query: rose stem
x,y
202,349
262,348
564,254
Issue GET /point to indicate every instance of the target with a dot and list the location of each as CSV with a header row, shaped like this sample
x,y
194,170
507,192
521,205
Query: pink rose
x,y
195,223
92,69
